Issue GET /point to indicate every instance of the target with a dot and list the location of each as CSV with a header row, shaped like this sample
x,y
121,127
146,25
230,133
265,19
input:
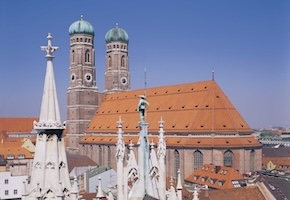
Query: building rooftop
x,y
217,177
199,107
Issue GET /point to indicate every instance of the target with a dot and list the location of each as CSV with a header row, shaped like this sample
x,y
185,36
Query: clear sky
x,y
247,42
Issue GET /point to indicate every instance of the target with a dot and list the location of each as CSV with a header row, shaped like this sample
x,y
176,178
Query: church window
x,y
197,159
110,61
100,156
73,56
176,162
89,40
228,158
252,160
109,156
87,56
123,61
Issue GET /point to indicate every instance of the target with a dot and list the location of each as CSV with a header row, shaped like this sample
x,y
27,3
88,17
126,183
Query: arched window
x,y
100,156
197,159
73,56
252,160
109,156
87,56
123,61
176,162
110,61
228,158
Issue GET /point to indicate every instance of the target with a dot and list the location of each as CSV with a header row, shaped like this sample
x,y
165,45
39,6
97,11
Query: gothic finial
x,y
161,123
131,145
171,181
120,123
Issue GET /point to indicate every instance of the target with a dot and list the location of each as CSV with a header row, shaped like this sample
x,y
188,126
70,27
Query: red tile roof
x,y
216,177
177,141
199,107
17,124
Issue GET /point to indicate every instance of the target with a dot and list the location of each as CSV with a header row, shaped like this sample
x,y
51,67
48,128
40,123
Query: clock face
x,y
124,81
88,77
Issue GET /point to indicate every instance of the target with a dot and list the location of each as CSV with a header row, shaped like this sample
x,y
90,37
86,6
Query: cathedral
x,y
202,125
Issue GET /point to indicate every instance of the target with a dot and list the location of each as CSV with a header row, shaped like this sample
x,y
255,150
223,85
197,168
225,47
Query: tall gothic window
x,y
100,155
176,162
110,61
197,159
228,158
123,61
73,56
87,56
109,156
252,160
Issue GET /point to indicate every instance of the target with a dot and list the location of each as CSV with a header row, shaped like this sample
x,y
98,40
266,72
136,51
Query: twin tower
x,y
83,97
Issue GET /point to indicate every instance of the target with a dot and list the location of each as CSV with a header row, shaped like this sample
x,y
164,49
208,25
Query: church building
x,y
202,125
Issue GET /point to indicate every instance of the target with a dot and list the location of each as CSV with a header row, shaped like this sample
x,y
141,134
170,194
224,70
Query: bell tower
x,y
82,92
117,74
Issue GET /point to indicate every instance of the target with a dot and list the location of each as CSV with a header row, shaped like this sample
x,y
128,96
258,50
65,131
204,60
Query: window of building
x,y
100,155
6,181
21,156
10,156
87,56
73,55
6,192
15,192
228,158
109,156
197,160
123,61
110,61
252,160
176,162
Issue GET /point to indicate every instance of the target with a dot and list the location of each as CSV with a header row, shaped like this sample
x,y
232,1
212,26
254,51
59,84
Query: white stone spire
x,y
49,176
100,194
161,152
179,185
120,159
49,113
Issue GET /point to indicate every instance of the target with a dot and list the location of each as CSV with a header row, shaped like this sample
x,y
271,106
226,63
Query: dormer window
x,y
21,156
10,156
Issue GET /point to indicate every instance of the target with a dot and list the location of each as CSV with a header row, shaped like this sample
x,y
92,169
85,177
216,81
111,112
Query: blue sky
x,y
247,42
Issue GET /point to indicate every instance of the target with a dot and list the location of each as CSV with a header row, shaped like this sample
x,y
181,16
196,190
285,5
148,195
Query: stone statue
x,y
143,104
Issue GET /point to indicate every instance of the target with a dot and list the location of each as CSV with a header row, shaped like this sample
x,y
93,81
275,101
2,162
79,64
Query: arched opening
x,y
176,162
252,160
228,158
197,159
87,56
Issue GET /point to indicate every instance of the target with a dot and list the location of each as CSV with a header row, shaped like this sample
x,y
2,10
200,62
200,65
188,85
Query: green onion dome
x,y
117,35
81,27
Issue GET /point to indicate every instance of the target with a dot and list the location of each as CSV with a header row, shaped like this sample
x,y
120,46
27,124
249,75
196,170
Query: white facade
x,y
11,186
109,179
